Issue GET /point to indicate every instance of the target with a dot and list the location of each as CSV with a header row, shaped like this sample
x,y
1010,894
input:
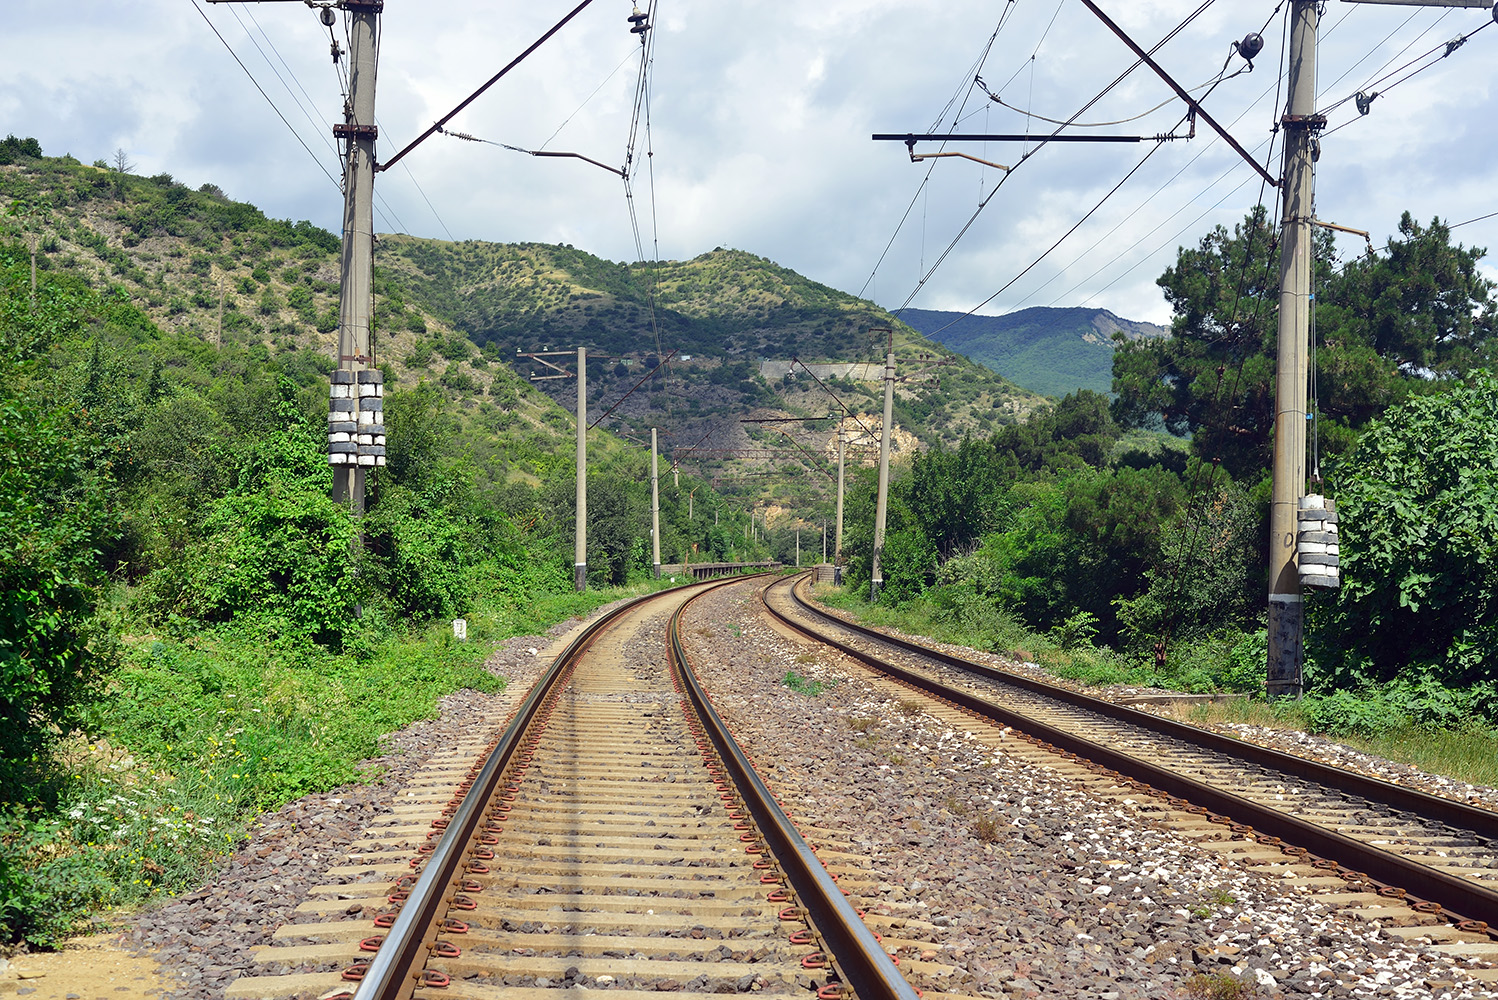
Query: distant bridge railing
x,y
708,571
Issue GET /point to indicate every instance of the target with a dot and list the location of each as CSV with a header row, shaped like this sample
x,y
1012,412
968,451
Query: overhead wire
x,y
963,92
214,28
640,116
305,104
1450,47
1276,87
576,111
926,277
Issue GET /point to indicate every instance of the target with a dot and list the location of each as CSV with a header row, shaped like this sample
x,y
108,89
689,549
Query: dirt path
x,y
89,968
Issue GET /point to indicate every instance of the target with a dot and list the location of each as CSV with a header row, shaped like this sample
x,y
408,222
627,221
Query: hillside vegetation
x,y
191,630
199,264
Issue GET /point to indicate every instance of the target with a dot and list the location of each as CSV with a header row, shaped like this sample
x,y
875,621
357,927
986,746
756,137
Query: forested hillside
x,y
452,314
1049,351
720,313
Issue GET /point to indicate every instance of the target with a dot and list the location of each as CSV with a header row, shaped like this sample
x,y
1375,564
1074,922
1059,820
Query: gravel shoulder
x,y
1037,887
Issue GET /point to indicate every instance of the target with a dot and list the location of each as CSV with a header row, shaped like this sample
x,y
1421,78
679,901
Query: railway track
x,y
1425,866
613,836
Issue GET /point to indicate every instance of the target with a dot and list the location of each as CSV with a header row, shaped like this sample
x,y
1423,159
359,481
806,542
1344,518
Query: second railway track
x,y
1389,845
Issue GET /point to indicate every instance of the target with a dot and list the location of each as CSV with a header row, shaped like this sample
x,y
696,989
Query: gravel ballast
x,y
1039,888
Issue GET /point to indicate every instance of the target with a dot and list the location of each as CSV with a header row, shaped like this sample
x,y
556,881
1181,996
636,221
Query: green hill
x,y
202,266
1049,351
722,312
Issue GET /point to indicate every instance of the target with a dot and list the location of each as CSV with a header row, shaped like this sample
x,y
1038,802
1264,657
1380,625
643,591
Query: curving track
x,y
1386,843
613,836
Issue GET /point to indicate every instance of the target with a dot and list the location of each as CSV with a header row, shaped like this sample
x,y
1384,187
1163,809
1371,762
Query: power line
x,y
964,91
212,27
1044,140
1049,250
320,129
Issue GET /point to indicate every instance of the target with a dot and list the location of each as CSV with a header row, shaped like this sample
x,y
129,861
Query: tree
x,y
1213,377
11,148
1418,503
120,165
1422,308
1384,326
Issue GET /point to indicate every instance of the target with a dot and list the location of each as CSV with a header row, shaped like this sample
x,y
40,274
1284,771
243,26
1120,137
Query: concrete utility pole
x,y
655,507
798,548
837,537
824,543
355,380
580,557
1286,610
882,509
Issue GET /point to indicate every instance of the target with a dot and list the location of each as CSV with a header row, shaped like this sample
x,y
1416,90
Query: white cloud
x,y
761,117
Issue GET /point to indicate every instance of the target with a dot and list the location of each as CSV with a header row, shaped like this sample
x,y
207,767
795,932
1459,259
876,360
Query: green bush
x,y
1343,713
420,558
1419,532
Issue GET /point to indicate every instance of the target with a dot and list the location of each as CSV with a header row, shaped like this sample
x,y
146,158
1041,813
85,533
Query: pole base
x,y
1285,670
874,587
580,577
837,576
657,571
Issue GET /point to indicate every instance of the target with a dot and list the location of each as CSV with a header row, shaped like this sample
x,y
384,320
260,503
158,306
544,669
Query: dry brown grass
x,y
1219,986
986,829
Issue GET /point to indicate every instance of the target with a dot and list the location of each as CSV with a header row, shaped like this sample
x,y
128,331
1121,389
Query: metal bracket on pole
x,y
1182,93
348,130
1309,123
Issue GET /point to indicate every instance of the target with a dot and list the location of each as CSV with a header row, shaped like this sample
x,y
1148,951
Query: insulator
x,y
639,29
1252,45
637,17
328,17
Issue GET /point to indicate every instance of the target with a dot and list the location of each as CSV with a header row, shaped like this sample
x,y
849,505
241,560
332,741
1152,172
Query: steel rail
x,y
394,971
864,964
1460,898
1483,822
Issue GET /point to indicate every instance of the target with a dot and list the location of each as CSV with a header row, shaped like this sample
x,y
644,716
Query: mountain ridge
x,y
1049,350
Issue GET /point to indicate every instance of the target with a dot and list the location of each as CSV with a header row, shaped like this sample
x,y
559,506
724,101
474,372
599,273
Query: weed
x,y
803,685
896,759
866,742
804,658
1220,986
911,706
955,806
860,723
986,829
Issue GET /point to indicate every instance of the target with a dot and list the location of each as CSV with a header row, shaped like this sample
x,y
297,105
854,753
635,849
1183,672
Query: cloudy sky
x,y
760,120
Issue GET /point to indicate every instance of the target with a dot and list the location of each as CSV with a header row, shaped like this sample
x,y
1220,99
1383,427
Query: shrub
x,y
419,555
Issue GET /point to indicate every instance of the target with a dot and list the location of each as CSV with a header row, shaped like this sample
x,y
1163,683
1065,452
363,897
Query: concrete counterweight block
x,y
1317,547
